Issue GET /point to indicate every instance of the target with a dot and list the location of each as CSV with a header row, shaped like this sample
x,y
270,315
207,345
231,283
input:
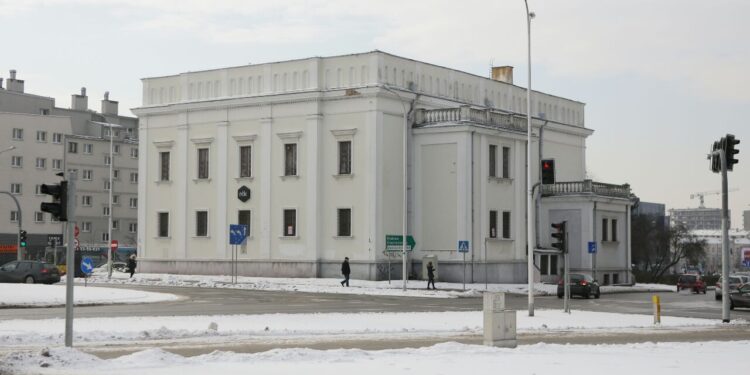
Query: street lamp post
x,y
111,183
529,218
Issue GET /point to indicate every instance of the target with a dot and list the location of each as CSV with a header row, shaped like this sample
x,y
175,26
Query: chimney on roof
x,y
15,85
80,102
109,107
503,74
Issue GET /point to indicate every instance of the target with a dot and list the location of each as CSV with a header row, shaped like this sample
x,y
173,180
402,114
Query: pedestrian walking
x,y
345,270
131,264
430,276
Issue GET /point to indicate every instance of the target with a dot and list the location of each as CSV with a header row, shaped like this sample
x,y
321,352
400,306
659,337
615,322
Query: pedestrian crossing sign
x,y
463,246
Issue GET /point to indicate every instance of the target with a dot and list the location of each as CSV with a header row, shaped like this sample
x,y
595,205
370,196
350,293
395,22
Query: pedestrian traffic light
x,y
730,151
59,206
22,238
548,171
716,158
558,236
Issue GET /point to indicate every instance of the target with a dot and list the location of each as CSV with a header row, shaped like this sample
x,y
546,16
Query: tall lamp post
x,y
406,132
529,218
111,163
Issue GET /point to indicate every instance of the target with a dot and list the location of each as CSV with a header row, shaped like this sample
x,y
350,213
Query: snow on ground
x,y
28,295
415,288
374,325
446,358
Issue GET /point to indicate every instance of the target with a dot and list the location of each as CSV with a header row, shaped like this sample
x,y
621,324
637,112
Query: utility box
x,y
427,259
499,322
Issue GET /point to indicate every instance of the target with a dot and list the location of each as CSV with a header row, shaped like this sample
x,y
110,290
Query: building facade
x,y
321,148
746,220
698,218
47,140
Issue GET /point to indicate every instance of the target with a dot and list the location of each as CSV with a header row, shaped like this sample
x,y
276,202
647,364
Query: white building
x,y
318,142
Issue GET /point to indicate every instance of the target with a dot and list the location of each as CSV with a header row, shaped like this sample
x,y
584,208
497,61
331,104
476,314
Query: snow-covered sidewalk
x,y
415,288
103,331
38,295
447,358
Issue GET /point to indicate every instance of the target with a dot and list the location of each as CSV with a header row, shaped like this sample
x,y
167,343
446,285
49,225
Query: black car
x,y
740,297
29,271
580,285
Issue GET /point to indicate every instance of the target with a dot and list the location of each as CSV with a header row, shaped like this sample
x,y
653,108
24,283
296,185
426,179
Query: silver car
x,y
734,282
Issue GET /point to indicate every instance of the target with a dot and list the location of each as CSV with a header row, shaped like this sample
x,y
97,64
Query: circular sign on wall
x,y
243,193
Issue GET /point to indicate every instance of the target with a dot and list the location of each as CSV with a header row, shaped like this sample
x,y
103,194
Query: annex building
x,y
319,145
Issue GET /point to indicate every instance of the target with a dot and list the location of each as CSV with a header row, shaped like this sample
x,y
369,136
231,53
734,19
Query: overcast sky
x,y
661,79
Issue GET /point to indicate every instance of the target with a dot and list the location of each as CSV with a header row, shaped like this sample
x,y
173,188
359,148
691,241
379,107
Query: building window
x,y
133,227
115,224
614,229
41,136
163,222
86,200
201,223
344,222
105,211
506,224
493,224
604,229
39,217
105,237
57,164
246,168
41,163
38,190
493,161
15,188
17,134
133,177
548,264
107,160
57,137
88,148
345,157
244,218
88,174
73,147
116,149
133,202
164,166
290,223
86,226
290,159
116,199
134,152
14,216
115,174
16,161
203,163
506,162
107,185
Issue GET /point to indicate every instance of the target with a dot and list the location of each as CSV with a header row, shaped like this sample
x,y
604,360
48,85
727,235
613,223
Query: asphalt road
x,y
210,301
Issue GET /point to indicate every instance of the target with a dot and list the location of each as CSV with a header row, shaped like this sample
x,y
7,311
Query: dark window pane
x,y
201,223
493,161
290,159
290,222
506,224
493,224
243,217
245,165
345,157
164,166
202,163
604,229
345,222
553,265
543,264
614,229
163,224
506,162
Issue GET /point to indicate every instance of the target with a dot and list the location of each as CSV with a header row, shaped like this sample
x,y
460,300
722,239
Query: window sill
x,y
499,239
343,237
344,176
292,177
163,182
202,180
500,180
289,237
200,237
163,238
248,178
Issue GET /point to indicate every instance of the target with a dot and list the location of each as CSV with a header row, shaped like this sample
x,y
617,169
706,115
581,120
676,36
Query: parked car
x,y
580,285
740,297
29,271
734,282
693,282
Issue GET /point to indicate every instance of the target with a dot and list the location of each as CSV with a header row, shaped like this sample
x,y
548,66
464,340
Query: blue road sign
x,y
746,263
592,247
87,265
237,234
463,246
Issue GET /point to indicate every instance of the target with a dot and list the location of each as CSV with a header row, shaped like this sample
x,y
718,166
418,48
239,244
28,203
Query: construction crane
x,y
702,194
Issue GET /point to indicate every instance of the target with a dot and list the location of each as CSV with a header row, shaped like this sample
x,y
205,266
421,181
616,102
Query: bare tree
x,y
656,248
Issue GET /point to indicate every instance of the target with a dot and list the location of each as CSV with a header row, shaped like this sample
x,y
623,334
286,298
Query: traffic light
x,y
716,158
558,236
548,171
22,236
59,206
730,151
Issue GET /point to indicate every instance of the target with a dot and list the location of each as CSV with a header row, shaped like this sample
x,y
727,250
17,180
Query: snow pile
x,y
447,358
38,295
373,325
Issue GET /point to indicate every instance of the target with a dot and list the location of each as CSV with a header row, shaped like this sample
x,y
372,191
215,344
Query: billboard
x,y
745,256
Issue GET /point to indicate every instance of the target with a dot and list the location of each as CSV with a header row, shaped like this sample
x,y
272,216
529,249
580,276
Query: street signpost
x,y
87,266
592,247
395,242
237,236
463,247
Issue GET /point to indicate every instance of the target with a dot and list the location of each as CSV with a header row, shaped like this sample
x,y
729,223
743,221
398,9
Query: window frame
x,y
506,162
349,228
493,227
164,169
347,164
506,225
605,229
249,222
492,160
41,136
248,171
201,232
160,215
203,165
291,170
295,224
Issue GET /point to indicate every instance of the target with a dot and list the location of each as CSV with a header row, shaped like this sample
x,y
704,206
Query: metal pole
x,y
566,301
485,264
529,212
70,259
725,258
464,271
111,187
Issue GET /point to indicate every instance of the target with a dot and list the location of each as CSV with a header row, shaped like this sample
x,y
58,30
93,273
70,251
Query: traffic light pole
x,y
70,259
566,270
725,257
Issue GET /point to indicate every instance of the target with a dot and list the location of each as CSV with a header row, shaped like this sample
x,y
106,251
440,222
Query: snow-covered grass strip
x,y
38,295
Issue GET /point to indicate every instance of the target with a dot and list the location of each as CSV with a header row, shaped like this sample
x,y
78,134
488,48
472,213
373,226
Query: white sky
x,y
661,79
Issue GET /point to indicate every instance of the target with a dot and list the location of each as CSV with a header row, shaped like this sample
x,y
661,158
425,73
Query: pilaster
x,y
266,229
179,224
313,192
220,228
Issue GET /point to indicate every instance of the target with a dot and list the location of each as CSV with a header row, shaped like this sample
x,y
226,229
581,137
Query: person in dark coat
x,y
345,270
131,265
430,276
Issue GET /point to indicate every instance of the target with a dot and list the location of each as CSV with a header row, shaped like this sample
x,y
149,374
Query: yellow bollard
x,y
657,309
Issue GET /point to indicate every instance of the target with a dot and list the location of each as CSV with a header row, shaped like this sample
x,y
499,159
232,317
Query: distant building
x,y
746,220
40,140
657,210
739,243
698,218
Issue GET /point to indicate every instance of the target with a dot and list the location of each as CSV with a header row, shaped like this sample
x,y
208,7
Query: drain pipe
x,y
538,195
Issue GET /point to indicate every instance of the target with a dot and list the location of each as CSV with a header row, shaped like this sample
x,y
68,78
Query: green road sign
x,y
395,242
